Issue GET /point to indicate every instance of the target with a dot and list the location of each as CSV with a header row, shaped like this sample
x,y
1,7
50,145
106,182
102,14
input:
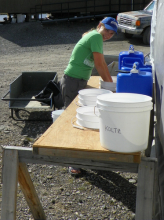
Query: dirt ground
x,y
34,47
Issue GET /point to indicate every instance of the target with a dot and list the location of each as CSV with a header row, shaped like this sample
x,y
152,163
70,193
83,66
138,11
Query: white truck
x,y
136,22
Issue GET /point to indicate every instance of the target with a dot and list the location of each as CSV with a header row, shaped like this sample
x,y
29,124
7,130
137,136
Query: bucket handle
x,y
78,104
95,112
75,126
80,127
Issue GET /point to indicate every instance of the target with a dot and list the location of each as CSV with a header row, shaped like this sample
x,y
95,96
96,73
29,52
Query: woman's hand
x,y
101,67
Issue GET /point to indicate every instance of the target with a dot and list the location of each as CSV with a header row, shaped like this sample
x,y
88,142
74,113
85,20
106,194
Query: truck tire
x,y
128,35
146,36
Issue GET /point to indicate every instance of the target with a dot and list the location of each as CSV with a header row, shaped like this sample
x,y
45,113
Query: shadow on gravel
x,y
31,34
37,123
114,185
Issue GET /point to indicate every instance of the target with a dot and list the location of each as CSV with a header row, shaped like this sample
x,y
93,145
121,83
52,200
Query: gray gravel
x,y
96,194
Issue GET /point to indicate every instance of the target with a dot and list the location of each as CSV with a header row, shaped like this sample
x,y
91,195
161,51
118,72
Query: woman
x,y
87,53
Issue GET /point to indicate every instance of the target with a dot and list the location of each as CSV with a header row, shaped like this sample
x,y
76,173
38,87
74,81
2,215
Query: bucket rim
x,y
93,122
111,98
131,110
119,105
126,109
57,111
83,92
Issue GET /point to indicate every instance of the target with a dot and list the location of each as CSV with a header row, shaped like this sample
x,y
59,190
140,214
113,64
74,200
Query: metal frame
x,y
16,94
15,170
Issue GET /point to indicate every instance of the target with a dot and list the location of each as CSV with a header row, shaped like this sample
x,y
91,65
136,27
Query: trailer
x,y
73,7
24,93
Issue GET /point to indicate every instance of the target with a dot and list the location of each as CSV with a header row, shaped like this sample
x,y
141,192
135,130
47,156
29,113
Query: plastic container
x,y
143,67
127,58
91,94
124,109
87,124
136,81
108,85
56,114
124,128
87,113
86,117
120,100
88,97
84,102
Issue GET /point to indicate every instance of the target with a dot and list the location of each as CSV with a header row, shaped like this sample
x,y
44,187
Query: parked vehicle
x,y
137,22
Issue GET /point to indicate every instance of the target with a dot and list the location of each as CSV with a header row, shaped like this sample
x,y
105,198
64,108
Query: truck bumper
x,y
129,30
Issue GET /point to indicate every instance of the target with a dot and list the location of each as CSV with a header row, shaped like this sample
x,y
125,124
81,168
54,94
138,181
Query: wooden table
x,y
62,139
64,145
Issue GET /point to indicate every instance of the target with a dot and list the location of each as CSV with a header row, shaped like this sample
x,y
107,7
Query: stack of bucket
x,y
88,97
86,113
86,117
124,121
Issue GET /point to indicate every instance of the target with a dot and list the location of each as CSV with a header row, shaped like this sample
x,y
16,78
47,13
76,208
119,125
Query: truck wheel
x,y
146,36
128,35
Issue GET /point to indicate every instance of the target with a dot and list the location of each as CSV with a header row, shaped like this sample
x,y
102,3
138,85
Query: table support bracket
x,y
14,172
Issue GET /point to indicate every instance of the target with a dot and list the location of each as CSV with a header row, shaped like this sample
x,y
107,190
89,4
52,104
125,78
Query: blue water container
x,y
136,81
147,68
127,58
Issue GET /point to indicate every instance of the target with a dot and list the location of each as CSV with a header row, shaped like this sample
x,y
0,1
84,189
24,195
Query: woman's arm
x,y
101,67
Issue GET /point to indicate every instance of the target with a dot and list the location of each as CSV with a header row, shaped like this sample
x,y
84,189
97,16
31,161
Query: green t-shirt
x,y
81,62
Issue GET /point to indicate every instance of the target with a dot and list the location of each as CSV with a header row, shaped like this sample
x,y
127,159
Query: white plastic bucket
x,y
124,109
124,129
84,102
108,85
124,100
87,124
56,114
91,94
86,117
87,113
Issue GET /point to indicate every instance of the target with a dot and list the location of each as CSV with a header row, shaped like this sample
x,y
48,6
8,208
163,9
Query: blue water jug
x,y
136,81
147,68
127,58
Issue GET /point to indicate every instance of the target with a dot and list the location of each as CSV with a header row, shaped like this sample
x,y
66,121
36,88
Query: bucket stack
x,y
88,97
85,116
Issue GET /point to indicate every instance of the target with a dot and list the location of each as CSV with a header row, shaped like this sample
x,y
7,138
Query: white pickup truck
x,y
136,22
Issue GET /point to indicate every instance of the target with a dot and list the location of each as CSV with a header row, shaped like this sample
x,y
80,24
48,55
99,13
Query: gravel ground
x,y
96,194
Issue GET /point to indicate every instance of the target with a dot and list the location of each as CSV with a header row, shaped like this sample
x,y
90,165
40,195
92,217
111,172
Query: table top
x,y
62,139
